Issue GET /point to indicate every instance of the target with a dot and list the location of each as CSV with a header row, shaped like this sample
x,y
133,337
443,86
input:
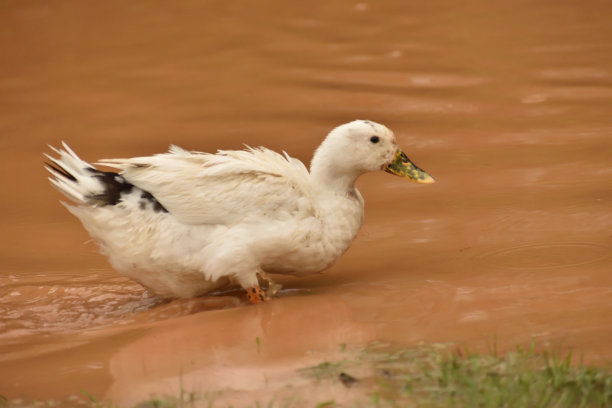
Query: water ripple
x,y
548,255
54,305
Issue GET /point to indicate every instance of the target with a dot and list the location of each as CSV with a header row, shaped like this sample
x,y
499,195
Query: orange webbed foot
x,y
256,295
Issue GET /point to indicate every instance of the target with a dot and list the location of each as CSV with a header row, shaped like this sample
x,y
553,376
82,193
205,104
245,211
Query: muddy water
x,y
508,104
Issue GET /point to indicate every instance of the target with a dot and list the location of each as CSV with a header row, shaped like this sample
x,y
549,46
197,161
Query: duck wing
x,y
227,188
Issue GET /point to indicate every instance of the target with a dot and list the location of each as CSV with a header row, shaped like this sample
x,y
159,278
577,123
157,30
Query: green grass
x,y
439,376
428,376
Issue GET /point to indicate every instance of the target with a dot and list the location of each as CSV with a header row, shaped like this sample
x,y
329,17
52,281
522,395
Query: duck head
x,y
362,146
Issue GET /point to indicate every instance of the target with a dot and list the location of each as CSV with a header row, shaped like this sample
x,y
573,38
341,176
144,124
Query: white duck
x,y
186,223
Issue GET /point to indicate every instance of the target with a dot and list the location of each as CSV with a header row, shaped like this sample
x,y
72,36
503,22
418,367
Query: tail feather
x,y
72,176
68,190
56,169
84,184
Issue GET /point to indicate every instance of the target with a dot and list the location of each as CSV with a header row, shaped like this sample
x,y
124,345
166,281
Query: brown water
x,y
508,104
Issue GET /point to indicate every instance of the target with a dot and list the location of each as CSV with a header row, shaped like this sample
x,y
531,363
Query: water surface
x,y
506,103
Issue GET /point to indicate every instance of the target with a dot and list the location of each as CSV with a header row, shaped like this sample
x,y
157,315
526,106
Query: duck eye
x,y
374,139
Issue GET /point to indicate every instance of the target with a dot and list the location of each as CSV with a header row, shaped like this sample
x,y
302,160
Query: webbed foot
x,y
256,295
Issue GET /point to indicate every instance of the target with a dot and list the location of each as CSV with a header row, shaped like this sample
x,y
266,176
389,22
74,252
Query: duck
x,y
188,223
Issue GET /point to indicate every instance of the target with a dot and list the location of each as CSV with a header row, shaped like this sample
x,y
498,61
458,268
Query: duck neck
x,y
339,181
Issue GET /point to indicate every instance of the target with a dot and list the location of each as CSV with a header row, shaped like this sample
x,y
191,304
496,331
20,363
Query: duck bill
x,y
403,167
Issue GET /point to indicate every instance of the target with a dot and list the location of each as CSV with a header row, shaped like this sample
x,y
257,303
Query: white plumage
x,y
186,223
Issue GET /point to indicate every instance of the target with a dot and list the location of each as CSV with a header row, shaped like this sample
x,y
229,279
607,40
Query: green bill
x,y
403,167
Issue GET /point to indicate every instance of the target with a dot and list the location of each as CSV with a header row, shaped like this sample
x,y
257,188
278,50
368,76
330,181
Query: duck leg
x,y
273,287
256,294
250,283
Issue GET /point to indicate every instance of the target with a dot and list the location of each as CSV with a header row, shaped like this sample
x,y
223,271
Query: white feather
x,y
226,188
84,184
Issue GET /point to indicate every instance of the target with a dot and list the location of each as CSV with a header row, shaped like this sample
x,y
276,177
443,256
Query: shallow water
x,y
506,103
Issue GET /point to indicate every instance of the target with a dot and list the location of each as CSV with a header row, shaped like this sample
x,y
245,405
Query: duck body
x,y
187,223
